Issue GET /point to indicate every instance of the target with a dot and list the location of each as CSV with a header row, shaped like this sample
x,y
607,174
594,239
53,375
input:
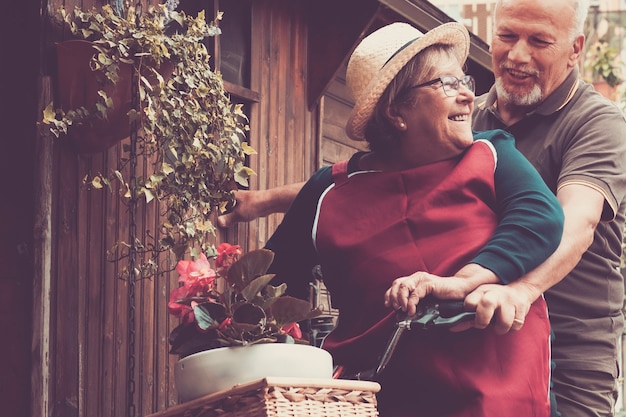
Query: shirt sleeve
x,y
294,253
530,218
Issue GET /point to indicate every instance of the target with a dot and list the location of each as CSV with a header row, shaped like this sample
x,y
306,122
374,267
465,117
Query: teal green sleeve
x,y
530,218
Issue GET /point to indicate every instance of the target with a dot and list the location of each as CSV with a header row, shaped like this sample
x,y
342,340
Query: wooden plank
x,y
40,343
120,366
65,299
90,240
333,151
108,306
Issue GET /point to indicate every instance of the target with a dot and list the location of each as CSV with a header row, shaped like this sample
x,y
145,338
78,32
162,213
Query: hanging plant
x,y
184,124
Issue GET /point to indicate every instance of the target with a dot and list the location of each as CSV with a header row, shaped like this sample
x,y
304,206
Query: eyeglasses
x,y
451,84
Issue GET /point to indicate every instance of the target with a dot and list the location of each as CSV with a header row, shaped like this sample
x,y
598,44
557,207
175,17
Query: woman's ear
x,y
395,118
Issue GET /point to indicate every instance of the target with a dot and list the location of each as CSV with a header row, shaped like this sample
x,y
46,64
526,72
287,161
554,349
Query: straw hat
x,y
382,54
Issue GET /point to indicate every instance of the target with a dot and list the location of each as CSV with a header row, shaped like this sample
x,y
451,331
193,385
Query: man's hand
x,y
244,209
250,205
503,306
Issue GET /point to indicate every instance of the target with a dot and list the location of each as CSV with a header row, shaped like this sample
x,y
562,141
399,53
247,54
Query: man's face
x,y
532,49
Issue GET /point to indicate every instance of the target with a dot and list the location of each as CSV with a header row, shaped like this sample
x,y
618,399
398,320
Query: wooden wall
x,y
336,104
90,351
83,355
284,130
90,337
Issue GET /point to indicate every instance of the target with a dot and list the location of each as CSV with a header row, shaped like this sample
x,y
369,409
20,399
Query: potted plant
x,y
605,66
181,122
228,317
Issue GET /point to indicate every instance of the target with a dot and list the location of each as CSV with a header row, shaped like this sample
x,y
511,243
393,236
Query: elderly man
x,y
576,140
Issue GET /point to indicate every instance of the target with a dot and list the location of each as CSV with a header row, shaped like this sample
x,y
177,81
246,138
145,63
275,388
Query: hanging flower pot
x,y
78,85
182,111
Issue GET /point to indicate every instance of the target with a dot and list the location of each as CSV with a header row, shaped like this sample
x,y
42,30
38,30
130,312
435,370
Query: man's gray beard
x,y
523,100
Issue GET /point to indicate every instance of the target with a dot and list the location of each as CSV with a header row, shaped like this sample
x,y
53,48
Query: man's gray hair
x,y
581,10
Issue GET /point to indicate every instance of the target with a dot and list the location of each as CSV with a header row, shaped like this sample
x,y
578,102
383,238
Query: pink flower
x,y
197,276
197,279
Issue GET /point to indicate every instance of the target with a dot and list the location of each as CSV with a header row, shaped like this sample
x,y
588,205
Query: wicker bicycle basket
x,y
285,397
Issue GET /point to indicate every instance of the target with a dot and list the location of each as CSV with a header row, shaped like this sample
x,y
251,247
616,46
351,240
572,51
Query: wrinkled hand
x,y
244,210
405,293
503,306
250,205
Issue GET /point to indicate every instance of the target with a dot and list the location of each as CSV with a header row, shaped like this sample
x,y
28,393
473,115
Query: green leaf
x,y
247,313
148,194
287,310
49,115
255,286
209,314
188,130
203,318
247,149
96,182
251,265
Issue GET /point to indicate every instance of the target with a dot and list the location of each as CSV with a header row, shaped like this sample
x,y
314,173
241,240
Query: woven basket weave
x,y
285,397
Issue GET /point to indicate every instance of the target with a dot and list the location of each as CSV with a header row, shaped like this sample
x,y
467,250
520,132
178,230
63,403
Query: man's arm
x,y
250,205
582,207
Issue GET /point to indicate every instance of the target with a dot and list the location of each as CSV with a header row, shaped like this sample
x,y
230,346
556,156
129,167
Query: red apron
x,y
373,227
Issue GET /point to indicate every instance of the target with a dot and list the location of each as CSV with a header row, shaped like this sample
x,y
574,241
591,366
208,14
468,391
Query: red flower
x,y
180,310
292,330
224,324
227,254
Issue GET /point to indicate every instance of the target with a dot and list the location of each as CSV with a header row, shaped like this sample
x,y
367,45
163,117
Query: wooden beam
x,y
335,27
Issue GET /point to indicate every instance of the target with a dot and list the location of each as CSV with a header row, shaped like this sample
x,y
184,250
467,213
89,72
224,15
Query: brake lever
x,y
442,314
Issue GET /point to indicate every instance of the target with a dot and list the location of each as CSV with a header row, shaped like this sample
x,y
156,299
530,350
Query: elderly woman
x,y
429,200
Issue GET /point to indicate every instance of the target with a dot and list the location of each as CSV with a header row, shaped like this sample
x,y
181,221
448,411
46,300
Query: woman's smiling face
x,y
439,126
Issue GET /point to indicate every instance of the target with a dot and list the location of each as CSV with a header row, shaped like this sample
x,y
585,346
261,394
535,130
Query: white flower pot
x,y
220,369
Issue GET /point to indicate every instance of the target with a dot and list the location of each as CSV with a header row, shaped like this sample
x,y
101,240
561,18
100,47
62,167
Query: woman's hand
x,y
405,293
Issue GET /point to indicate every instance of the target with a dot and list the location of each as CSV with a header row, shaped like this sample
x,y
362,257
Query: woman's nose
x,y
465,94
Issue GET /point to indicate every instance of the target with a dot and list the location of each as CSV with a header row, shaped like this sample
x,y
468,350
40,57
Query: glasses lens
x,y
450,85
468,81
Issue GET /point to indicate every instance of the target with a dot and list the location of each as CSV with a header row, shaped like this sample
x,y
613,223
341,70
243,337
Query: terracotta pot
x,y
77,86
605,89
220,369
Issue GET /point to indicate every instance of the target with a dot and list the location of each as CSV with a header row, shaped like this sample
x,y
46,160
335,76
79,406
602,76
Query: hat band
x,y
399,50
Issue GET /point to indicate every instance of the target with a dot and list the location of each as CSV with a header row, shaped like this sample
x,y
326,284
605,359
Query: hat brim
x,y
453,34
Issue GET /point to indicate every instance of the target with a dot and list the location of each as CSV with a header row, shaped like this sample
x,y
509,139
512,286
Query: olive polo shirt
x,y
577,136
